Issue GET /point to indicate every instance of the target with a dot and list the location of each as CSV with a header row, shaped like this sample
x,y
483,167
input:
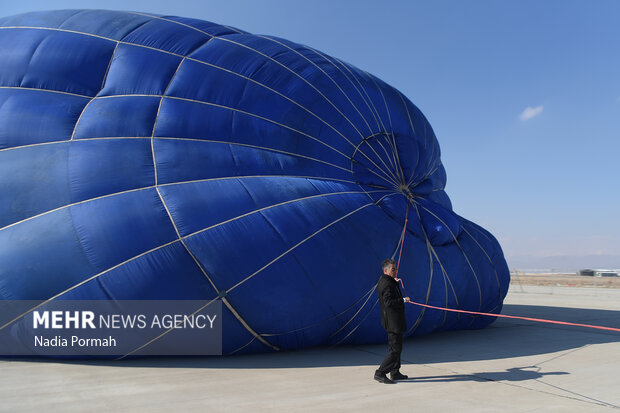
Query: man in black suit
x,y
393,320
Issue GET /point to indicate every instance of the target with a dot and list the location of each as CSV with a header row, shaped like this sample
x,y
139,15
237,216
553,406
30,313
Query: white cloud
x,y
530,113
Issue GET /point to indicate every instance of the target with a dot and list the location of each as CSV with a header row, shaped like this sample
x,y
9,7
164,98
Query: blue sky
x,y
523,95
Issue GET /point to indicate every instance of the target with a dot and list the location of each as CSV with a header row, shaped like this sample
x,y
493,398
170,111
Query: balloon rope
x,y
402,239
540,320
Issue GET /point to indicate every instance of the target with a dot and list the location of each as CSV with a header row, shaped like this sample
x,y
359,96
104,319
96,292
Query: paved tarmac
x,y
511,366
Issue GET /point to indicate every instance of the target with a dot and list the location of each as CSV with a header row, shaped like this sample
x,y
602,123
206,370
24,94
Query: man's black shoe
x,y
383,379
398,376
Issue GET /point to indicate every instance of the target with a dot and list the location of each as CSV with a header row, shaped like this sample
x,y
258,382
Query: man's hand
x,y
406,299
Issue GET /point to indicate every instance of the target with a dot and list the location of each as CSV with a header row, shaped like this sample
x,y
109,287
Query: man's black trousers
x,y
391,363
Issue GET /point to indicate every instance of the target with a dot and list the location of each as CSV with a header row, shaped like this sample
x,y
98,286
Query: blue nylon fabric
x,y
33,191
50,118
91,176
125,116
138,70
161,157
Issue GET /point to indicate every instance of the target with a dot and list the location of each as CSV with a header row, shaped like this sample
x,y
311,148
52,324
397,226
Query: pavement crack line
x,y
560,356
537,366
593,400
572,395
577,397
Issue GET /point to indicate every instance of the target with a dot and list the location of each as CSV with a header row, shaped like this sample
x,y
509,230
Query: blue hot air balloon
x,y
149,157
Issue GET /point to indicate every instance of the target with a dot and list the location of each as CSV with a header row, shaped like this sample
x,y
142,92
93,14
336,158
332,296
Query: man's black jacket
x,y
392,305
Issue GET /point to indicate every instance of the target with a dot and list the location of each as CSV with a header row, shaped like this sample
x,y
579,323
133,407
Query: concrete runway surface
x,y
511,366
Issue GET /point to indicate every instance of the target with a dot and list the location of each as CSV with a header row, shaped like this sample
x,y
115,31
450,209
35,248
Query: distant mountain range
x,y
563,263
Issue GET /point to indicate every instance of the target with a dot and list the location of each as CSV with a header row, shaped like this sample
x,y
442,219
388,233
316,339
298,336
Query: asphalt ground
x,y
511,366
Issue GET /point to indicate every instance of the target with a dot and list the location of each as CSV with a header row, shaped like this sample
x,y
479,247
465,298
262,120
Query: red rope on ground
x,y
539,320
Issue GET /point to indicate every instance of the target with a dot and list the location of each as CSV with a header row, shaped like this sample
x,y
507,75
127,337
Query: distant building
x,y
598,273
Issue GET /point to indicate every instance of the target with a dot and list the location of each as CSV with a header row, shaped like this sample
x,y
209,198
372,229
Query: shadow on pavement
x,y
512,374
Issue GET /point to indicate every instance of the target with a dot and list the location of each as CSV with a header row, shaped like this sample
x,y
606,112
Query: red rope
x,y
540,320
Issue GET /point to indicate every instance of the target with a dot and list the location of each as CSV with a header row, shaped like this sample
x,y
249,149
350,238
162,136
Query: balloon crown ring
x,y
404,189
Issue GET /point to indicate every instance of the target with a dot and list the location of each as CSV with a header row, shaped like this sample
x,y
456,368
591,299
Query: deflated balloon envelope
x,y
157,157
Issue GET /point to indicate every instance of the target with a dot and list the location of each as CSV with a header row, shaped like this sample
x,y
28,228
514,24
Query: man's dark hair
x,y
387,263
